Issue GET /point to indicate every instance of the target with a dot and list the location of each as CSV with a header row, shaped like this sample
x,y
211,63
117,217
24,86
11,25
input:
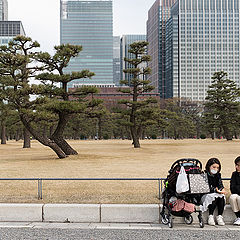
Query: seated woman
x,y
235,190
214,199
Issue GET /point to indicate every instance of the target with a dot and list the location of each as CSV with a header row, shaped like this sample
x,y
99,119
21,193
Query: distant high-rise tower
x,y
158,16
202,37
89,23
126,40
3,10
116,60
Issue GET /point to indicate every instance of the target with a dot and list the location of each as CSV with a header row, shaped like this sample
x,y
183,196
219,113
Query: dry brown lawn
x,y
103,159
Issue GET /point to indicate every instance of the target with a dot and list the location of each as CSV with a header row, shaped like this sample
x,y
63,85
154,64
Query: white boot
x,y
211,220
220,221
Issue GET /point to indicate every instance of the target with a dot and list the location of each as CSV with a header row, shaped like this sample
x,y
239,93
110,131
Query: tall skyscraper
x,y
116,60
126,40
158,16
198,38
3,10
89,23
202,37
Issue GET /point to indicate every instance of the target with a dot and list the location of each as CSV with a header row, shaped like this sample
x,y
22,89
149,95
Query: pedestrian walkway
x,y
125,226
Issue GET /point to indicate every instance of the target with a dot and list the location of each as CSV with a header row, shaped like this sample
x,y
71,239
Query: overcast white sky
x,y
40,18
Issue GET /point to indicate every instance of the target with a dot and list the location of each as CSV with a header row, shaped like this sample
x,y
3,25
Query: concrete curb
x,y
130,213
21,212
71,213
95,213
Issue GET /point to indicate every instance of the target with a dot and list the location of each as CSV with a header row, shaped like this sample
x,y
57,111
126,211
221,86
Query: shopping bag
x,y
182,184
198,183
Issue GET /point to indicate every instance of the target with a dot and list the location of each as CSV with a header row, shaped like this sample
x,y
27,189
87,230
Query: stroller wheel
x,y
165,219
188,219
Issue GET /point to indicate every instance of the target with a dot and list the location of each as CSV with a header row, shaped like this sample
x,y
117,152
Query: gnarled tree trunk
x,y
227,133
3,133
43,140
57,136
133,127
135,137
26,138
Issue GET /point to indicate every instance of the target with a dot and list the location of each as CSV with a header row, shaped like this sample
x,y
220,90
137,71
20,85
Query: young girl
x,y
216,196
235,190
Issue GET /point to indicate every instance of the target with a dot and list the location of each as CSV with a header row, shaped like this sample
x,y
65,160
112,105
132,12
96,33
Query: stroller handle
x,y
187,160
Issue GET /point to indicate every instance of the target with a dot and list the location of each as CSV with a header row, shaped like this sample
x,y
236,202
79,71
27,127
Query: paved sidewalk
x,y
125,226
113,231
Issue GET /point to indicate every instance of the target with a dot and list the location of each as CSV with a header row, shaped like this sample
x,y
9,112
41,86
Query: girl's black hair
x,y
237,160
210,162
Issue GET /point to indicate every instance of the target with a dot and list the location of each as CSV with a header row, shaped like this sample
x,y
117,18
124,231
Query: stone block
x,y
12,212
71,213
130,213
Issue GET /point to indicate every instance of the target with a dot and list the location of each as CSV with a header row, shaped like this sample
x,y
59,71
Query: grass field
x,y
103,159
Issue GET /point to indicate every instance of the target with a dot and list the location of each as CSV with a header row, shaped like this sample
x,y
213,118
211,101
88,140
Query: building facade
x,y
111,96
198,38
9,30
172,56
126,40
204,37
116,60
158,16
3,10
89,23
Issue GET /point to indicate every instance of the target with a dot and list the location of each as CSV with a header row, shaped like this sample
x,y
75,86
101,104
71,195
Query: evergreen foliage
x,y
19,63
222,106
138,113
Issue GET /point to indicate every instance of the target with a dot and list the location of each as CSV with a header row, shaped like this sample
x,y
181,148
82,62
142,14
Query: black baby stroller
x,y
170,196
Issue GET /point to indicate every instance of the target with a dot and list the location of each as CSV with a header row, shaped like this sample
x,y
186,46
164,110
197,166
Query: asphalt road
x,y
114,234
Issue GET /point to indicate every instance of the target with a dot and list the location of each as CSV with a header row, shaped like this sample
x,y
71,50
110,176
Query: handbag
x,y
189,207
198,183
180,205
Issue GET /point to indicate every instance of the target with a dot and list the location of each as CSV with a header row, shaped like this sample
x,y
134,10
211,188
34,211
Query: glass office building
x,y
89,23
116,60
203,38
158,16
126,40
172,58
9,30
3,10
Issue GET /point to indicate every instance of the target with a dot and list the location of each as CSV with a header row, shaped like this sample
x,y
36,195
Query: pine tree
x,y
20,62
222,107
61,104
138,111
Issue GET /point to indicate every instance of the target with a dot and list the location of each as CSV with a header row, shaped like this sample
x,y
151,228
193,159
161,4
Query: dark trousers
x,y
219,203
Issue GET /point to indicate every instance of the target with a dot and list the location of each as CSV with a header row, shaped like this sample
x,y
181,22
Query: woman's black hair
x,y
210,162
237,160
